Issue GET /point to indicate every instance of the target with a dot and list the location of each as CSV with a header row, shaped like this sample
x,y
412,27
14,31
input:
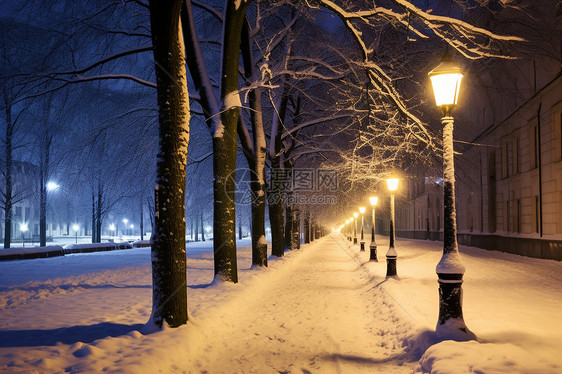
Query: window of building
x,y
534,145
518,216
537,214
516,168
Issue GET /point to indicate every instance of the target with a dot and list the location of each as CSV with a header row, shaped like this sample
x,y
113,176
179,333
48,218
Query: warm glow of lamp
x,y
355,214
373,200
392,183
362,210
351,219
75,227
446,81
346,221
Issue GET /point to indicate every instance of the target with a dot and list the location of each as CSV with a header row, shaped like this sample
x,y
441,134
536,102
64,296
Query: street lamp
x,y
76,228
125,220
112,228
355,215
351,219
446,81
52,186
362,211
23,229
391,254
373,246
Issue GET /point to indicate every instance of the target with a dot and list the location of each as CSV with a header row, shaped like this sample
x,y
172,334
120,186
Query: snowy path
x,y
316,315
323,309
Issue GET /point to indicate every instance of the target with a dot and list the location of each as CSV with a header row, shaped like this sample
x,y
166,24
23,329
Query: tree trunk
x,y
8,202
196,229
255,158
289,226
93,217
98,214
306,227
42,207
225,143
239,228
169,297
296,229
141,220
202,228
275,202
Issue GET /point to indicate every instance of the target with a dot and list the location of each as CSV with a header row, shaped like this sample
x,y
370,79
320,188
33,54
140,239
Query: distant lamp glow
x,y
208,229
23,229
75,227
373,200
362,210
125,220
446,81
52,186
346,221
355,215
351,219
132,226
112,227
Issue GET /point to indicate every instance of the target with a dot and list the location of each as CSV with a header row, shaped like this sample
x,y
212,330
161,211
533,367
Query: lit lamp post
x,y
23,229
373,246
351,219
355,215
391,254
125,220
112,229
362,211
446,80
76,228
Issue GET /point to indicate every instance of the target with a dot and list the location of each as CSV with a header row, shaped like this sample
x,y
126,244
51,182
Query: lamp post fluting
x,y
373,246
355,215
446,80
391,254
362,211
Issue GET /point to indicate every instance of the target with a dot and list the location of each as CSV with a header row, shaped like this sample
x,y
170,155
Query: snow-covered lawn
x,y
322,309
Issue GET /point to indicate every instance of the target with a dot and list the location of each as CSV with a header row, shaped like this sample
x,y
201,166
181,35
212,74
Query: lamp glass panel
x,y
446,88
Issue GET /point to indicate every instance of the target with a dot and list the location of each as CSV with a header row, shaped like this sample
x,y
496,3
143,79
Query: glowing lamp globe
x,y
355,214
373,200
392,183
446,81
351,219
346,221
362,210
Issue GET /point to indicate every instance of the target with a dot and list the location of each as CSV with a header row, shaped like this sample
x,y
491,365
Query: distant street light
x,y
125,220
112,228
76,228
362,211
355,215
23,229
52,186
391,254
446,81
351,219
373,246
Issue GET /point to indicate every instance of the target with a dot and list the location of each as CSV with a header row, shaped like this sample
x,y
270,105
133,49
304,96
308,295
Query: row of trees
x,y
287,84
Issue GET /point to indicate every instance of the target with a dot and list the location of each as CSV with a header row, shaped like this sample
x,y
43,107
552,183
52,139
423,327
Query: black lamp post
x,y
446,80
355,215
373,246
391,254
362,211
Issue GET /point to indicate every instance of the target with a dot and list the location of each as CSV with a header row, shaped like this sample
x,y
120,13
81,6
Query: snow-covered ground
x,y
322,309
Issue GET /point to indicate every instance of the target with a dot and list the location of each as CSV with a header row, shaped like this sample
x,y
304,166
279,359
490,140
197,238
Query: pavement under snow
x,y
322,309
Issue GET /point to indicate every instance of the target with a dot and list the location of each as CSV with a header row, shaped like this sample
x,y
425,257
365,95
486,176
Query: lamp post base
x,y
354,240
363,246
451,324
373,248
391,266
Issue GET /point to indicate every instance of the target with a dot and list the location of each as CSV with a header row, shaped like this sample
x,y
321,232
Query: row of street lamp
x,y
446,80
391,254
